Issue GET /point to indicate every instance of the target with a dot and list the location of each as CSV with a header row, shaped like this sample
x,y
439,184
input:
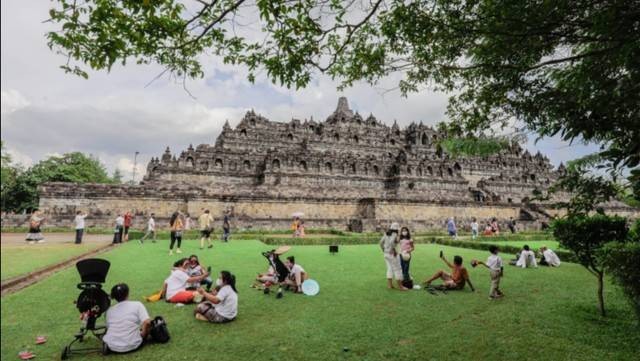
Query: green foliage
x,y
562,67
622,262
473,146
71,167
8,174
585,236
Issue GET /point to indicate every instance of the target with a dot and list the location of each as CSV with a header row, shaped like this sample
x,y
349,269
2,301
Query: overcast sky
x,y
113,115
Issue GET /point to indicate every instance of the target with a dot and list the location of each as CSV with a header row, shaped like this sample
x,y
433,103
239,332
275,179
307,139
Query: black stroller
x,y
281,271
92,303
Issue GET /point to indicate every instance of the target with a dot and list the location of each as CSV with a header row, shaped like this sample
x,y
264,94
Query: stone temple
x,y
347,172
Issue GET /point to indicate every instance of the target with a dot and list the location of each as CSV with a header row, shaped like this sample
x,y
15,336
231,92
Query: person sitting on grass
x,y
455,280
264,278
297,275
494,264
221,304
549,257
526,258
128,323
175,286
195,269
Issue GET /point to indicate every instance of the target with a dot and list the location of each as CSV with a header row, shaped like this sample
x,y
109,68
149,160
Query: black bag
x,y
159,331
408,283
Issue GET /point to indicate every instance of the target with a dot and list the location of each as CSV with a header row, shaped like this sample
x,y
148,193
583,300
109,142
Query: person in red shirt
x,y
455,280
128,221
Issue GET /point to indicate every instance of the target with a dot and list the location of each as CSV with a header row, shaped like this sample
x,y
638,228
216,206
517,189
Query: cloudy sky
x,y
113,115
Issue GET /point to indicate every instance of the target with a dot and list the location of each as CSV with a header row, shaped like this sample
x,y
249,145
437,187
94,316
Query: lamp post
x,y
135,163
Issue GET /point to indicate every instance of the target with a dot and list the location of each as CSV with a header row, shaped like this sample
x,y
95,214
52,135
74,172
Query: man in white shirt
x,y
494,264
119,231
527,258
79,225
297,274
128,323
549,257
151,229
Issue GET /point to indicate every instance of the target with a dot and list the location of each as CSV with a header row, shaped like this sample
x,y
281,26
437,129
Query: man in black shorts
x,y
206,227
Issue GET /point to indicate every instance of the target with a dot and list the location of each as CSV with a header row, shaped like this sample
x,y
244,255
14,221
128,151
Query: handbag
x,y
159,331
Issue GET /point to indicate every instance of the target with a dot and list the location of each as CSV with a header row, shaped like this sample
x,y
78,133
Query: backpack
x,y
159,331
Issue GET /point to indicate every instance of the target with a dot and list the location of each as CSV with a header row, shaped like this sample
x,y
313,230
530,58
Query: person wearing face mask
x,y
221,304
389,244
406,248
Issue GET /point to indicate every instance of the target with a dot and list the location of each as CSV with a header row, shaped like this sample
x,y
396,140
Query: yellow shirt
x,y
205,221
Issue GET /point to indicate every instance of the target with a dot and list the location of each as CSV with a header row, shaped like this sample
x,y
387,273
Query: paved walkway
x,y
66,237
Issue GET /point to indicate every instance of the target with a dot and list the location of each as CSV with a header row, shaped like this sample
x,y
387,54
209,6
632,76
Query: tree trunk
x,y
601,293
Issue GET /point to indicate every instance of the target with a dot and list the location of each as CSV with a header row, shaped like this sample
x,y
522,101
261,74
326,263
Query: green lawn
x,y
547,314
18,259
535,245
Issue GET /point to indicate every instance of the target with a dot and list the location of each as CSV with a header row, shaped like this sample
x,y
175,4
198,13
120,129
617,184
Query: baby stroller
x,y
281,271
92,302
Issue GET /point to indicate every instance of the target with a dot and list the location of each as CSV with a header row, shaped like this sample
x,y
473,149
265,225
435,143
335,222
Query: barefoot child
x,y
494,264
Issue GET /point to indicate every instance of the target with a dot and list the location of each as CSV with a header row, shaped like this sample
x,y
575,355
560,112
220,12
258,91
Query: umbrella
x,y
297,214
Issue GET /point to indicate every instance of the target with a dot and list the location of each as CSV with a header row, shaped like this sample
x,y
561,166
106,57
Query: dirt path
x,y
18,238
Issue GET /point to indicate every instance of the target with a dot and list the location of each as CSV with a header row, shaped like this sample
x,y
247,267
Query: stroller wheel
x,y
65,353
266,291
279,294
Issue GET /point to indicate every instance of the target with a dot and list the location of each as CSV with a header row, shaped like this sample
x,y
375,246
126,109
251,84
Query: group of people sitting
x,y
297,275
527,258
128,323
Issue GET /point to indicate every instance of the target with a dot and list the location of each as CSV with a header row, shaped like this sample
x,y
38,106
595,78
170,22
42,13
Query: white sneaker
x,y
178,250
170,252
41,241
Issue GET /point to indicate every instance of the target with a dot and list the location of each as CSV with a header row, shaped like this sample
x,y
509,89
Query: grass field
x,y
547,313
18,259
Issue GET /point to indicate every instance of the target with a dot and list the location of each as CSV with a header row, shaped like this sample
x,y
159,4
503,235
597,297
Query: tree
x,y
567,67
117,176
8,174
71,167
586,236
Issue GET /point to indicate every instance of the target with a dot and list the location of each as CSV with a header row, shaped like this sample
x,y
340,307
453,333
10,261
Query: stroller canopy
x,y
93,270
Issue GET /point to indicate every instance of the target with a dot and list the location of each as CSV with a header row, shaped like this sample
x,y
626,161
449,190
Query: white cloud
x,y
12,100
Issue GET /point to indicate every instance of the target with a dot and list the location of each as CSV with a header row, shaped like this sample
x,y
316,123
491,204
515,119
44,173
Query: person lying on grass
x,y
221,304
455,280
175,286
494,264
297,275
128,323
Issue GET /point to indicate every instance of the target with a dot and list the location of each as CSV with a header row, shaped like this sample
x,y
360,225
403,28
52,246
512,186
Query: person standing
x,y
119,230
494,264
128,221
176,232
451,228
406,248
151,229
226,229
205,222
35,234
79,224
474,228
512,225
389,244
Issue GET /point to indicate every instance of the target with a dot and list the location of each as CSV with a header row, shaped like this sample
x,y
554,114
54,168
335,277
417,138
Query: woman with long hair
x,y
177,226
221,304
